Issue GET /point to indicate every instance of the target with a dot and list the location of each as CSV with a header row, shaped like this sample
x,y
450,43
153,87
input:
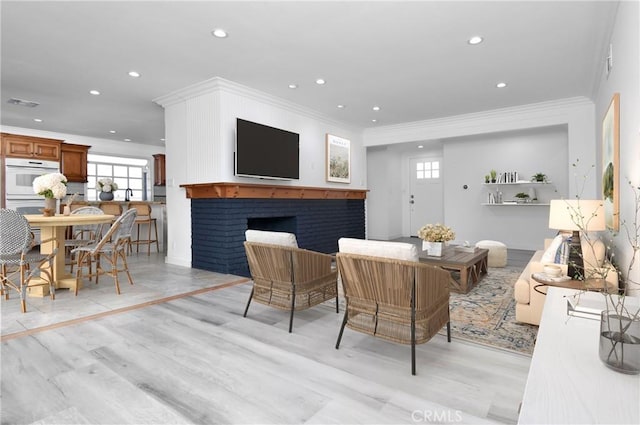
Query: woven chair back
x,y
15,233
143,209
94,230
125,229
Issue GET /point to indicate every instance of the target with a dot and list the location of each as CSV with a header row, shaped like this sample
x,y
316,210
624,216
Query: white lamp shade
x,y
577,214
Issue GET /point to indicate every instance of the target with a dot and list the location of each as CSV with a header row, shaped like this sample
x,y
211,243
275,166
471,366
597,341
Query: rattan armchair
x,y
394,299
19,263
290,278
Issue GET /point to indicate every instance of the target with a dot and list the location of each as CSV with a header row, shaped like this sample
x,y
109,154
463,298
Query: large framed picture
x,y
611,164
338,159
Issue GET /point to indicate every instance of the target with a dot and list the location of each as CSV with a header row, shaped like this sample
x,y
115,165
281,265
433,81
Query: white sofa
x,y
529,302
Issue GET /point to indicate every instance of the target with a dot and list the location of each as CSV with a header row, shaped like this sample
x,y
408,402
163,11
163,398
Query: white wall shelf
x,y
516,183
524,204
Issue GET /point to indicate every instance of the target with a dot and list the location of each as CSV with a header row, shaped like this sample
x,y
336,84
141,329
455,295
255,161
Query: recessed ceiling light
x,y
374,120
94,92
112,131
134,74
501,85
376,108
320,81
475,40
220,33
37,120
293,86
127,140
420,146
162,140
340,106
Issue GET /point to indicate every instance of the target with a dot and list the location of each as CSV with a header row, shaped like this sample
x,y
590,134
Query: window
x,y
125,172
428,170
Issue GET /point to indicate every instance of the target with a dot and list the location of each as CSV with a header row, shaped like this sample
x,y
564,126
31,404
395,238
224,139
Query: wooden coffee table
x,y
471,266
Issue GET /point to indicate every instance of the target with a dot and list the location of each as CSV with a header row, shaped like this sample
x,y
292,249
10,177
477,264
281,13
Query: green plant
x,y
522,195
539,177
493,174
487,178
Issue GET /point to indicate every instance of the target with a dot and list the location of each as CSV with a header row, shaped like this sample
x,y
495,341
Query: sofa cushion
x,y
395,250
272,238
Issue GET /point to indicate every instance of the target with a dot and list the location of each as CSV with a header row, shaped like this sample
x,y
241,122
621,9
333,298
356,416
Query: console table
x,y
567,382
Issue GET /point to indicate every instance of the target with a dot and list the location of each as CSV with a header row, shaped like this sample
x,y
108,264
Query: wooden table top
x,y
68,220
450,255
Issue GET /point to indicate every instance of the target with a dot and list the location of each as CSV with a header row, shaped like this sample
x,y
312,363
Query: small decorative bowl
x,y
553,271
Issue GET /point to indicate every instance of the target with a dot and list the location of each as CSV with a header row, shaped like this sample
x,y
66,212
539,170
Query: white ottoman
x,y
497,252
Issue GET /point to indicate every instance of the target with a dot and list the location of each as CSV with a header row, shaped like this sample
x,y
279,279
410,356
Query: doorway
x,y
425,192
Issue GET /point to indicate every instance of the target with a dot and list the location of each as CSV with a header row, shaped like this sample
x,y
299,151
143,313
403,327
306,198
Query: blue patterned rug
x,y
486,315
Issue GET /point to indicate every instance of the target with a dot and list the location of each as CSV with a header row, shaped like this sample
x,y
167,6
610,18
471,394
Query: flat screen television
x,y
266,152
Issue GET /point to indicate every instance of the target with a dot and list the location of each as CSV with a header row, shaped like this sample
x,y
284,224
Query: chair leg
x,y
413,341
125,264
248,302
23,291
155,225
449,331
293,307
337,304
344,323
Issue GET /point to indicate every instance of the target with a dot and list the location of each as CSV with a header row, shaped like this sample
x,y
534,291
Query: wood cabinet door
x,y
19,146
159,173
73,162
46,150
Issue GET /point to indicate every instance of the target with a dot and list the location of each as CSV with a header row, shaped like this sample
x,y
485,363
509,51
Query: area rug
x,y
486,315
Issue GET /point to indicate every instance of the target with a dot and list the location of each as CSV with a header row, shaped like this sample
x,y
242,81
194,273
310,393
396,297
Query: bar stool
x,y
144,217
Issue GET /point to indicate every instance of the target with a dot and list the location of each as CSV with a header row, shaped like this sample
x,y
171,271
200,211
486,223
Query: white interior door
x,y
425,192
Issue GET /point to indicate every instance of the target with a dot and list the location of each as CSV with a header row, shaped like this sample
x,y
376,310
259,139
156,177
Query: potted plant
x,y
106,187
522,197
539,177
493,174
434,236
487,178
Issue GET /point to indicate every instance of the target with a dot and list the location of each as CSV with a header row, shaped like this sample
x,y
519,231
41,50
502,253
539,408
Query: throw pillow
x,y
549,255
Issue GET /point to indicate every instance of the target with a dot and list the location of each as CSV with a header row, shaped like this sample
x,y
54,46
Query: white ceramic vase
x,y
434,249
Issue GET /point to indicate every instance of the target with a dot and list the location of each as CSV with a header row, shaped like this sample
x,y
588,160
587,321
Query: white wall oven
x,y
19,176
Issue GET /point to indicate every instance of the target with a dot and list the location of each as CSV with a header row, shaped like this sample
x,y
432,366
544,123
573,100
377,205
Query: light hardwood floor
x,y
195,359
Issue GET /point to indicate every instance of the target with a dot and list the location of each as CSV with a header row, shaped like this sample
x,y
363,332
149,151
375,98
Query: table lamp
x,y
586,215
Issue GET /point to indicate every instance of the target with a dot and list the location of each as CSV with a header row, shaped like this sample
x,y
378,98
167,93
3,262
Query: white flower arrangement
x,y
106,185
436,233
53,185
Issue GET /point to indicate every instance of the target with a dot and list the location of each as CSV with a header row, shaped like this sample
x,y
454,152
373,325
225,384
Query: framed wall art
x,y
611,163
338,159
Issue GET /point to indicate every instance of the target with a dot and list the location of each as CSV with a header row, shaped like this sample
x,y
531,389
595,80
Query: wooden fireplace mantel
x,y
264,191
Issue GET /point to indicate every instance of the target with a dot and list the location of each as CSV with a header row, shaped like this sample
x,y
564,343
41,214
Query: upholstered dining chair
x,y
19,263
287,277
111,247
390,294
144,217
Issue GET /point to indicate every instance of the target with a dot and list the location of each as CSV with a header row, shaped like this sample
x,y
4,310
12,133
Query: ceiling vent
x,y
20,102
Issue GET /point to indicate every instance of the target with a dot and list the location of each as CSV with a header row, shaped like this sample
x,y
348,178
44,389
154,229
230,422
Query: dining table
x,y
54,228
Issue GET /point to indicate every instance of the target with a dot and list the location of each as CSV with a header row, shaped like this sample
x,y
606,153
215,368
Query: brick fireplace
x,y
222,212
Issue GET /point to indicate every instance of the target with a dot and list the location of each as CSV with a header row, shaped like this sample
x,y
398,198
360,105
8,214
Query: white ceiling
x,y
410,58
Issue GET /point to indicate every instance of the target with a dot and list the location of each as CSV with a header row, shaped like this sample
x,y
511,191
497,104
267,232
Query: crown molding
x,y
221,85
513,118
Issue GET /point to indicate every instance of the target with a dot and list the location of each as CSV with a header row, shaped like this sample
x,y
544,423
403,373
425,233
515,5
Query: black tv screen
x,y
266,152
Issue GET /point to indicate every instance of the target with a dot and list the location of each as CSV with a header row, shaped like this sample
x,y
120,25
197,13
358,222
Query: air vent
x,y
20,102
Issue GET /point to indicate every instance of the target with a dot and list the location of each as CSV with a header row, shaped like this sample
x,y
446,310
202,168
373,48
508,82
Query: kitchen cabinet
x,y
18,146
73,162
159,173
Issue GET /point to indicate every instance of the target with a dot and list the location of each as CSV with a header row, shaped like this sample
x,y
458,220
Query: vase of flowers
x,y
434,236
106,187
52,186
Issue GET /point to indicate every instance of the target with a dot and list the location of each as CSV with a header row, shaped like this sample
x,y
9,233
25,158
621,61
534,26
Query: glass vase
x,y
434,249
620,342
